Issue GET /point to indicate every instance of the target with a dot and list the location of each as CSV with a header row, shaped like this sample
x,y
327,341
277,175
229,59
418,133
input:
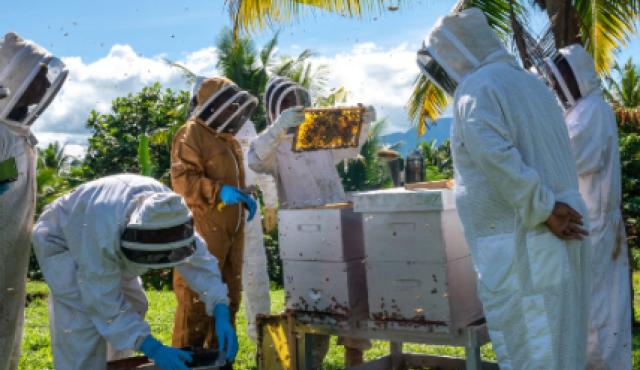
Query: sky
x,y
116,47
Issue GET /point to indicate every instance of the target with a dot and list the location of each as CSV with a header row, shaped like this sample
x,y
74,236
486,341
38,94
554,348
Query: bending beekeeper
x,y
92,246
30,78
207,169
517,196
306,179
594,140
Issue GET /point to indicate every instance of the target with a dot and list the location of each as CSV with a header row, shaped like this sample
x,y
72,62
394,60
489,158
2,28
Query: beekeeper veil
x,y
572,74
32,75
223,106
280,94
457,45
159,233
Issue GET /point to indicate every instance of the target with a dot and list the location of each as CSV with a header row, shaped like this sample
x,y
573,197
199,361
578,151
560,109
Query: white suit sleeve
x,y
589,137
203,276
488,140
262,151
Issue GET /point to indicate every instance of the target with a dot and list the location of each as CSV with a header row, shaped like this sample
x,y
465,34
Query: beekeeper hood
x,y
280,94
33,76
572,74
457,45
223,106
159,232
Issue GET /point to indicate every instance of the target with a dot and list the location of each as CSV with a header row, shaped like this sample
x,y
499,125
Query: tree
x,y
301,70
624,94
240,61
603,26
367,171
53,156
114,142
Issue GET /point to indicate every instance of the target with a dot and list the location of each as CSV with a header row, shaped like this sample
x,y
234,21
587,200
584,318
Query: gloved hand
x,y
224,332
270,219
369,114
232,195
291,117
4,187
167,358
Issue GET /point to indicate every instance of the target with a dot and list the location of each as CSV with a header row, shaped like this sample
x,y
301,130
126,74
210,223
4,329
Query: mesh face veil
x,y
281,94
435,72
562,79
159,233
228,109
33,76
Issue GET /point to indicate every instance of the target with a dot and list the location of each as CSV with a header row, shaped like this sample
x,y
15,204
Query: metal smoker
x,y
414,167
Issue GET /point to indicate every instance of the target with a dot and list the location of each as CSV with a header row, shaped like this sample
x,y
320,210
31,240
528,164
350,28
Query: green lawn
x,y
37,354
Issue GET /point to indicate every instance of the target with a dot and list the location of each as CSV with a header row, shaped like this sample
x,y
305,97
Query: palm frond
x,y
426,104
606,26
250,15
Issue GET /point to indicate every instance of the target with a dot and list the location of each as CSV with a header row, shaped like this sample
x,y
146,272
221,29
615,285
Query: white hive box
x,y
322,250
418,265
320,234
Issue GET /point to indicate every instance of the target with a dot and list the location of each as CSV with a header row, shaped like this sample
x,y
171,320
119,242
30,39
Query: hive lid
x,y
402,200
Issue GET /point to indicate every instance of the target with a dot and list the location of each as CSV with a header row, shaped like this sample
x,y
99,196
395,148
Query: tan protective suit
x,y
203,160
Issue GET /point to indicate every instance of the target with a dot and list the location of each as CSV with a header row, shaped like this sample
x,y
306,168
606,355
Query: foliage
x,y
367,171
240,61
301,70
144,156
248,15
37,348
115,137
274,263
426,103
437,160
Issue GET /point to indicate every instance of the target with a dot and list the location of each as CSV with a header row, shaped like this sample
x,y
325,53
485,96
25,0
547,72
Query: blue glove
x,y
4,187
167,358
224,332
231,195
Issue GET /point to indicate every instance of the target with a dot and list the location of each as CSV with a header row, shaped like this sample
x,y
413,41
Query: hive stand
x,y
471,338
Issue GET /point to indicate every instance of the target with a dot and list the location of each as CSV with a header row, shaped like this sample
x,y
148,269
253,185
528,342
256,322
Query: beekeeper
x,y
255,276
92,246
517,196
31,78
594,140
305,179
207,169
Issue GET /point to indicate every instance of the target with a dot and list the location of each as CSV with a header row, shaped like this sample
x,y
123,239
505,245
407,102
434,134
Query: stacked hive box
x,y
418,265
322,253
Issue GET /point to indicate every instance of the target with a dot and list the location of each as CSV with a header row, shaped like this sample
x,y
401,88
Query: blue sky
x,y
115,47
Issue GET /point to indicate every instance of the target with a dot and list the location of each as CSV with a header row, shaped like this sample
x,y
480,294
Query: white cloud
x,y
94,85
376,76
371,74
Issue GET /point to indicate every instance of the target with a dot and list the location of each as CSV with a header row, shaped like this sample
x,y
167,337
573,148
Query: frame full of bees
x,y
329,128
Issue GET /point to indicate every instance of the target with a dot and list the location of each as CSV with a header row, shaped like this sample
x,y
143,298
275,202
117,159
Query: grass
x,y
37,352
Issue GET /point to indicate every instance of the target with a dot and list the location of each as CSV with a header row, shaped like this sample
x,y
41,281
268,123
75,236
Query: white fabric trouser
x,y
17,206
76,343
255,278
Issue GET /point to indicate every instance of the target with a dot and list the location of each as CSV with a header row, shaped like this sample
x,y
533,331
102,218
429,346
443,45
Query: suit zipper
x,y
237,186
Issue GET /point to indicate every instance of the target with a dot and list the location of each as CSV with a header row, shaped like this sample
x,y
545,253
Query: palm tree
x,y
603,26
53,157
624,93
301,70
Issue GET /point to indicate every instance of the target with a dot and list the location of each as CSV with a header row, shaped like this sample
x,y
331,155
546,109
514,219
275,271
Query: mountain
x,y
410,140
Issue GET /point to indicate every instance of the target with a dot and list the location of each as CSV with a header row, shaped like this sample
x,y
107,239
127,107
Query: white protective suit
x,y
512,162
594,140
255,277
95,295
304,179
20,64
